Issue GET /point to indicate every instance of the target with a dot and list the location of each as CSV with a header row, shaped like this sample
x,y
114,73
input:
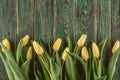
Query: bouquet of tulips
x,y
74,63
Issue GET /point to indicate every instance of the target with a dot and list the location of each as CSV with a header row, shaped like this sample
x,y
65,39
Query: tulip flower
x,y
84,54
82,40
64,54
29,53
38,49
6,43
116,46
57,44
25,40
95,50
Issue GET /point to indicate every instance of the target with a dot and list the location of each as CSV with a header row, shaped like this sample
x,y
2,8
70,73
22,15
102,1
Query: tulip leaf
x,y
58,62
18,75
81,61
102,78
55,70
89,65
37,73
102,46
25,67
71,69
19,51
70,43
94,73
102,58
46,55
45,68
112,64
7,67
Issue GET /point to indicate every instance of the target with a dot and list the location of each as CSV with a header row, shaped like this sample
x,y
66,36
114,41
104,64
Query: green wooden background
x,y
49,19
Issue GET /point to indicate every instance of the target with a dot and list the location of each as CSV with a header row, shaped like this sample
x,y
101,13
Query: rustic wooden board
x,y
7,27
24,17
49,19
44,20
115,30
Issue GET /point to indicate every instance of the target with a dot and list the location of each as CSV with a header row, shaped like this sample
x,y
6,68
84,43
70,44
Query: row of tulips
x,y
60,66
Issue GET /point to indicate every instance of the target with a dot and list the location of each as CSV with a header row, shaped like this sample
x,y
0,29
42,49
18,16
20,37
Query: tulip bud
x,y
57,44
6,43
95,50
25,40
84,54
64,54
82,40
38,49
29,53
116,46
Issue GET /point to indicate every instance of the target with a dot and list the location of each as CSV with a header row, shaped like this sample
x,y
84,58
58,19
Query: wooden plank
x,y
85,19
60,30
25,23
104,26
24,16
104,20
66,18
7,28
116,31
44,20
115,19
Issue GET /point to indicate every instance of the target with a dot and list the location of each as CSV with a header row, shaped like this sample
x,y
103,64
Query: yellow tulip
x,y
57,44
84,54
38,49
25,40
6,43
29,53
95,50
116,46
82,40
64,54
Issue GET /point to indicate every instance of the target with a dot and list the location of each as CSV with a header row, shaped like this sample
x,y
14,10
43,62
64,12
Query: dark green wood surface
x,y
49,19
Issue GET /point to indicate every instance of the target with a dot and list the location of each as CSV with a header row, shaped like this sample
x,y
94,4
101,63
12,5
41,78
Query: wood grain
x,y
115,30
7,28
49,19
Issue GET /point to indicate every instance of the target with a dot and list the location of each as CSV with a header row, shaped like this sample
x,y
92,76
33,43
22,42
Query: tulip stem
x,y
53,54
77,50
44,58
63,64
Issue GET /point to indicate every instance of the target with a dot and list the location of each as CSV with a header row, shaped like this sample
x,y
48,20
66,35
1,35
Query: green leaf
x,y
102,46
70,45
19,51
112,64
55,70
81,61
7,67
18,75
25,67
102,78
94,73
37,73
46,55
58,62
71,69
89,65
45,68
